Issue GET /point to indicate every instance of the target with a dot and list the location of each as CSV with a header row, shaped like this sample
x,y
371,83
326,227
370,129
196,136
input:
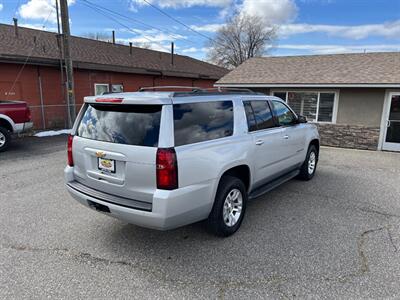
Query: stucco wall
x,y
360,106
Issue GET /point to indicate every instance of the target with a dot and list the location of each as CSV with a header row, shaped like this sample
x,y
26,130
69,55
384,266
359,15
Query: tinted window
x,y
202,121
283,113
263,114
122,124
260,111
251,121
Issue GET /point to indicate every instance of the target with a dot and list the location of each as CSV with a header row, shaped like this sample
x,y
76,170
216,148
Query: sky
x,y
303,26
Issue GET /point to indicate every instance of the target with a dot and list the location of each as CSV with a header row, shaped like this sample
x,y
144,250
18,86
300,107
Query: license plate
x,y
107,165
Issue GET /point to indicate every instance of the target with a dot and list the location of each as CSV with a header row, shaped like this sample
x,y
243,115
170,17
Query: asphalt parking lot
x,y
337,236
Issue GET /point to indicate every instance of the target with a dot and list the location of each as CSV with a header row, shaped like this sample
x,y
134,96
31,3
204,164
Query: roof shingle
x,y
43,45
368,68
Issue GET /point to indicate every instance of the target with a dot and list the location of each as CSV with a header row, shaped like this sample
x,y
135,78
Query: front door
x,y
391,140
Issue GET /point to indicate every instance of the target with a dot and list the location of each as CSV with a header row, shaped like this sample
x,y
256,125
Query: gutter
x,y
304,85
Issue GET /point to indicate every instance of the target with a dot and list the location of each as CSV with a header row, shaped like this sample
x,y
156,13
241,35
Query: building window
x,y
281,95
117,88
101,88
315,106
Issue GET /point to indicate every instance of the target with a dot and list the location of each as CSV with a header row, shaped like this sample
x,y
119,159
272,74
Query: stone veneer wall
x,y
349,136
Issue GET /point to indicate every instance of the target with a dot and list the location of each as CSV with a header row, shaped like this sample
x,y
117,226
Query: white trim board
x,y
335,100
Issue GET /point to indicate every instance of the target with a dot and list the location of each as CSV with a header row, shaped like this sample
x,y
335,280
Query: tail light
x,y
69,147
28,115
167,169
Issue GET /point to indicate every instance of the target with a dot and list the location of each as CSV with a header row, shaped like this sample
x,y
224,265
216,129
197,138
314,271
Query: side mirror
x,y
301,119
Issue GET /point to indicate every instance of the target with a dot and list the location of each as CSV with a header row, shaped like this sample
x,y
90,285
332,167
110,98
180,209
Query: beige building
x,y
354,98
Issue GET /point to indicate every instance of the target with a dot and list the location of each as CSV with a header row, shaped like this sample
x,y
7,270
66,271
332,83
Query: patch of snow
x,y
53,132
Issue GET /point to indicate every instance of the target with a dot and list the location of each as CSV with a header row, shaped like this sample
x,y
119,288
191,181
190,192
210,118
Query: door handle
x,y
286,137
388,124
259,142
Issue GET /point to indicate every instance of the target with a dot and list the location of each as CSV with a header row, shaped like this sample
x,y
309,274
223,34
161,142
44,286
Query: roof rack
x,y
233,90
196,91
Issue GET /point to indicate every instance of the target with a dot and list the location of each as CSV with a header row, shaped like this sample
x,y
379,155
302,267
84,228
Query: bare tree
x,y
241,38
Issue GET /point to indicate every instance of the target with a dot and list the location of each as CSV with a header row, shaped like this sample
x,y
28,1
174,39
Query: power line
x,y
176,20
176,35
122,24
28,57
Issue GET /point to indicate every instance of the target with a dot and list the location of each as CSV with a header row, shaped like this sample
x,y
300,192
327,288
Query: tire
x,y
5,139
217,222
308,168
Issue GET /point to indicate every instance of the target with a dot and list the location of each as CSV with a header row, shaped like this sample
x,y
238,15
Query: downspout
x,y
41,98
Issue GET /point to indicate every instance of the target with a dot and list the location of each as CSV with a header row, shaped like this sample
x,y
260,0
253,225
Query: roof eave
x,y
101,67
302,85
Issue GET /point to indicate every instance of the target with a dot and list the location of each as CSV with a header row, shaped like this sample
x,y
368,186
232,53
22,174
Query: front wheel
x,y
229,207
307,170
5,138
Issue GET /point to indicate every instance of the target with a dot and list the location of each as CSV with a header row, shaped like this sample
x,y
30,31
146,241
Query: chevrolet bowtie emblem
x,y
100,154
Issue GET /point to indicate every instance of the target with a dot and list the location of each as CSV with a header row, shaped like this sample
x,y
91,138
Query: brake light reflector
x,y
69,151
167,169
109,100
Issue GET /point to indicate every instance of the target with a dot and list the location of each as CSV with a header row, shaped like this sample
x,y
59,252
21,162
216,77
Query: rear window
x,y
202,121
122,124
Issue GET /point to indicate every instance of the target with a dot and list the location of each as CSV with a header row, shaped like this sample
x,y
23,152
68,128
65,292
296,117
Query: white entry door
x,y
391,140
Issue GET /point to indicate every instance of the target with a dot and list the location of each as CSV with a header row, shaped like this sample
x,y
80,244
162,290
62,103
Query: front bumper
x,y
169,209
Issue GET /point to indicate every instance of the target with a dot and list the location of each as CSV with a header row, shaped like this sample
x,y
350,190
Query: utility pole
x,y
68,62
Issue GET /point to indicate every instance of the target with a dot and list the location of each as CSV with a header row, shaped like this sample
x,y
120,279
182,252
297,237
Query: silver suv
x,y
166,159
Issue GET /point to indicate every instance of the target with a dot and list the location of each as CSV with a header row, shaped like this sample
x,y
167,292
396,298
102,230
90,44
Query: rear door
x,y
267,141
115,149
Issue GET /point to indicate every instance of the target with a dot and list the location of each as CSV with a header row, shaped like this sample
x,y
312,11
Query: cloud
x,y
194,50
272,11
152,38
40,10
38,26
134,4
1,7
333,49
207,28
387,30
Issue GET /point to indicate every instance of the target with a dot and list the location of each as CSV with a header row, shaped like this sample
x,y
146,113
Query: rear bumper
x,y
22,127
169,209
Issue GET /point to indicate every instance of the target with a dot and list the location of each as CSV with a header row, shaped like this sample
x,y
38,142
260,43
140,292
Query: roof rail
x,y
196,91
228,89
153,88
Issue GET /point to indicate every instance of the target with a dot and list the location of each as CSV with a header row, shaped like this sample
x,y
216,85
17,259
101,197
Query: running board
x,y
273,184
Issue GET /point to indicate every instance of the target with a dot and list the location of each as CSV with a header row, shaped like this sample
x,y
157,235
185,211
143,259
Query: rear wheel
x,y
5,138
229,207
309,166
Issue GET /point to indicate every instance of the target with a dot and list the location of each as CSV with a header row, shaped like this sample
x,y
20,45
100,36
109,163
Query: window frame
x,y
117,84
274,120
318,92
101,84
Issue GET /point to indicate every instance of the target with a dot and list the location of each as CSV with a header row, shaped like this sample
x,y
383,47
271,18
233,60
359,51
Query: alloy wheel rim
x,y
2,139
311,163
232,209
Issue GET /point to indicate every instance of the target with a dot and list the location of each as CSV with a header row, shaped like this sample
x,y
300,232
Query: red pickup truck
x,y
15,117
